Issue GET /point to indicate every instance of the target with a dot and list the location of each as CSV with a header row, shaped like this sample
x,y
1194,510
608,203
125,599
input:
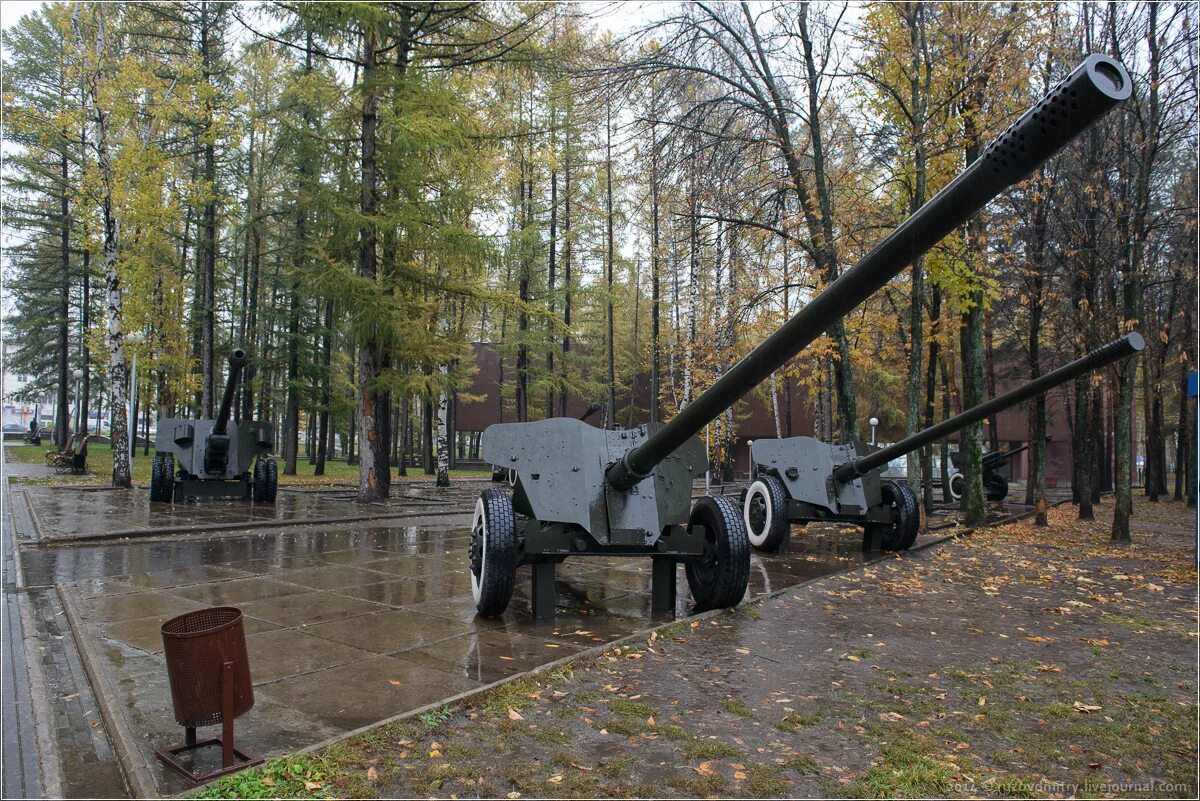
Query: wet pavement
x,y
346,625
348,622
58,514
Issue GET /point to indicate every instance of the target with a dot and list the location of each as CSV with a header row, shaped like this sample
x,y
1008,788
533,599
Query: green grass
x,y
99,465
435,717
796,721
736,707
766,780
285,777
623,706
710,749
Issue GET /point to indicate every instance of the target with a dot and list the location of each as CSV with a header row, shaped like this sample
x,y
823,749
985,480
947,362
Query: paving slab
x,y
237,591
309,608
361,693
391,631
397,592
286,653
489,655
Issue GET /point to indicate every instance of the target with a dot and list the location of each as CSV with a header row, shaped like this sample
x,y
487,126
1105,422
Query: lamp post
x,y
59,441
136,338
874,421
79,417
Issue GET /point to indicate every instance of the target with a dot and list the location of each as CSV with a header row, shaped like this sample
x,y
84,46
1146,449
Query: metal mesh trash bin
x,y
209,673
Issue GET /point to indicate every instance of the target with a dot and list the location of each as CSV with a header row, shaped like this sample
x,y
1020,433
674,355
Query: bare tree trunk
x,y
610,413
118,372
209,238
372,447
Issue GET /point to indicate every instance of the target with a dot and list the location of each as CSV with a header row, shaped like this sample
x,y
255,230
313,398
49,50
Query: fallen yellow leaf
x,y
312,785
372,774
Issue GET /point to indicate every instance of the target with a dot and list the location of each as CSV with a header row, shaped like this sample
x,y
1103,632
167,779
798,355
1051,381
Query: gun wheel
x,y
995,488
493,553
162,478
901,533
719,577
957,482
266,480
765,514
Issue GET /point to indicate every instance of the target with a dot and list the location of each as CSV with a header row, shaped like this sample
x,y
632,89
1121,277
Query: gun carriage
x,y
995,485
803,480
214,458
583,491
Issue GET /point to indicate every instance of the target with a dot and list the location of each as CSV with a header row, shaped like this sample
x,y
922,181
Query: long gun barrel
x,y
997,459
1112,352
1087,94
237,361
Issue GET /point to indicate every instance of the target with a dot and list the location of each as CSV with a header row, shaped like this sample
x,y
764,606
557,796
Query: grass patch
x,y
623,706
673,732
695,786
796,721
766,780
588,698
619,767
804,765
435,717
736,707
284,777
629,727
1129,621
513,695
904,772
99,466
710,749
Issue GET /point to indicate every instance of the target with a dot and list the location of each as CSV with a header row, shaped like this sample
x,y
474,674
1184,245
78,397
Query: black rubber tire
x,y
914,521
162,478
258,483
900,534
764,514
493,562
499,474
272,481
156,478
995,488
957,482
719,578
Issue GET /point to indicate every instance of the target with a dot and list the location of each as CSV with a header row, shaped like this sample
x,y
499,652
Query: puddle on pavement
x,y
350,625
69,512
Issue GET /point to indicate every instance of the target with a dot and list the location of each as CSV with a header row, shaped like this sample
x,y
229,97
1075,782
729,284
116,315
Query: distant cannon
x,y
804,480
213,458
584,491
995,486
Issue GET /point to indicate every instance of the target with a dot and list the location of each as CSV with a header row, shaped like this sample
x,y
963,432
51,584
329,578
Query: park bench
x,y
72,458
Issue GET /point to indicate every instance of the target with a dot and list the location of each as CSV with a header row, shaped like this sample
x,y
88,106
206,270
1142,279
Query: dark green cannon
x,y
804,480
214,458
583,491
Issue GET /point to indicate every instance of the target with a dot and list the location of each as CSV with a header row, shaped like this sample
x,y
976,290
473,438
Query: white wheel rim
x,y
479,520
757,488
956,486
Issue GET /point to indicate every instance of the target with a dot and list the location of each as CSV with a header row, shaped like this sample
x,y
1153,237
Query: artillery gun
x,y
213,458
995,486
804,480
583,491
